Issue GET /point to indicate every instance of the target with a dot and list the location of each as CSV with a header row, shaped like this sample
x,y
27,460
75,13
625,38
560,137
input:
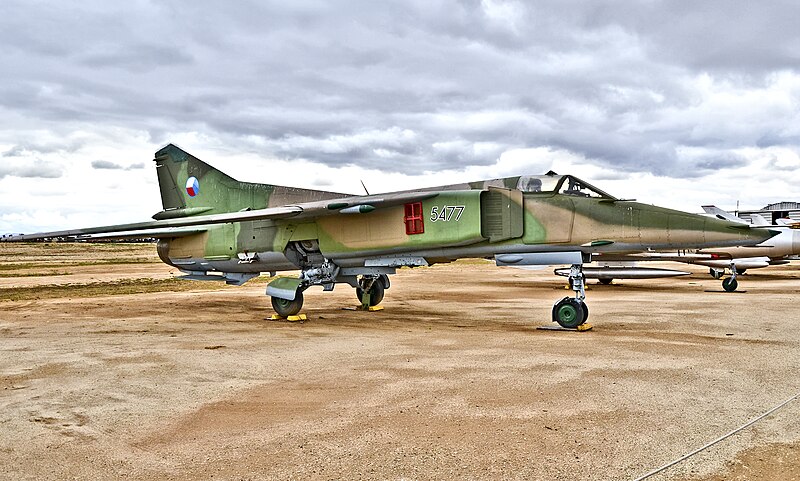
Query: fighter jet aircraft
x,y
214,227
775,251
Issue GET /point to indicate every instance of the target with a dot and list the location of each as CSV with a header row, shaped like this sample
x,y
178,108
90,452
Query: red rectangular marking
x,y
413,219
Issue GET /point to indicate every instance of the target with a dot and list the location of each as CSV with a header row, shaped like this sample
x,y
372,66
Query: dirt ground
x,y
111,369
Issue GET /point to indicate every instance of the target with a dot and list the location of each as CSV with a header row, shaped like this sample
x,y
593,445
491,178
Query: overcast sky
x,y
676,103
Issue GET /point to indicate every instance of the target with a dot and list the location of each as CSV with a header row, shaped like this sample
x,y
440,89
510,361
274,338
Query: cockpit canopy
x,y
562,184
545,184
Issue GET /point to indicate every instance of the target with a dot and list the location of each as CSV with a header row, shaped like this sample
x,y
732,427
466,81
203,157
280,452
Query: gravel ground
x,y
451,381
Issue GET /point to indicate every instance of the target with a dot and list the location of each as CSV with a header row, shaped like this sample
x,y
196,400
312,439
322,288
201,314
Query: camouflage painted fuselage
x,y
483,219
215,228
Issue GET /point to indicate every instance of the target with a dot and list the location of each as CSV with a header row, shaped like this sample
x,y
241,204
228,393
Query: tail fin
x,y
759,220
189,186
721,214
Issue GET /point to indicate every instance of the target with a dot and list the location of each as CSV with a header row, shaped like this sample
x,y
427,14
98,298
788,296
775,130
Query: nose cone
x,y
666,229
720,233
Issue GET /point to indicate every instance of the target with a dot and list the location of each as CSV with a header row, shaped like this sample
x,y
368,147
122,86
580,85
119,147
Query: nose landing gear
x,y
730,284
571,312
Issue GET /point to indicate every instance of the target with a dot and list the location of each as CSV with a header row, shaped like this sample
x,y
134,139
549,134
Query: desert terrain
x,y
110,368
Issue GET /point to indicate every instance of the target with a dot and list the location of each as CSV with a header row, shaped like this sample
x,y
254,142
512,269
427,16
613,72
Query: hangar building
x,y
773,212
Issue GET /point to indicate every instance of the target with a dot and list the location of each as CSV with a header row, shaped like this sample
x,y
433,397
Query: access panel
x,y
501,214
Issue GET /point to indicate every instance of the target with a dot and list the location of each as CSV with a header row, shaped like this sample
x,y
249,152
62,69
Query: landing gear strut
x,y
572,312
730,284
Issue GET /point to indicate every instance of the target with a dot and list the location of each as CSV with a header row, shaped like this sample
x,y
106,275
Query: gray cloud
x,y
36,169
415,86
134,58
108,165
39,147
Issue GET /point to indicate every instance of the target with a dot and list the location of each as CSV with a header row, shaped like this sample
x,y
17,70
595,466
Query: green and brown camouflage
x,y
214,227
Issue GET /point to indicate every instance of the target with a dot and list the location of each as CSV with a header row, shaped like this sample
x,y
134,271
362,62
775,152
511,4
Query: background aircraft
x,y
780,249
214,227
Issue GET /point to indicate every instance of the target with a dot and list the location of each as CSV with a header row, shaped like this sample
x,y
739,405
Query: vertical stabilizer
x,y
759,220
189,186
721,214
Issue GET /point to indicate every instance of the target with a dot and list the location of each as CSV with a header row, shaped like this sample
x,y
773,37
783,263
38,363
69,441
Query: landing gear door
x,y
501,214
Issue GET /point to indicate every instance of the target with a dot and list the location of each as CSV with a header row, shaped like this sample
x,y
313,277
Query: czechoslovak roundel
x,y
192,186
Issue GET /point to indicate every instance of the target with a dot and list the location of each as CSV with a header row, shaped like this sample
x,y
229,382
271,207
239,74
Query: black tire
x,y
286,308
730,284
376,293
605,280
570,313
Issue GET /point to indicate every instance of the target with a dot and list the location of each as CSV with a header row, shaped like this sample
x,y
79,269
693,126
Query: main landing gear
x,y
285,307
370,290
571,312
287,294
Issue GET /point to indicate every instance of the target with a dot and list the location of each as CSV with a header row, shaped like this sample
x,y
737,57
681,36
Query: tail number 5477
x,y
446,213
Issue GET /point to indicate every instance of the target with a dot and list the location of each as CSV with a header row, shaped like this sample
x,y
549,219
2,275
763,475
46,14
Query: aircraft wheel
x,y
605,280
716,273
730,284
375,293
570,313
286,308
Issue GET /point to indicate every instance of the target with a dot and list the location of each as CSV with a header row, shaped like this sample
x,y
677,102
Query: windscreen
x,y
538,183
578,188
